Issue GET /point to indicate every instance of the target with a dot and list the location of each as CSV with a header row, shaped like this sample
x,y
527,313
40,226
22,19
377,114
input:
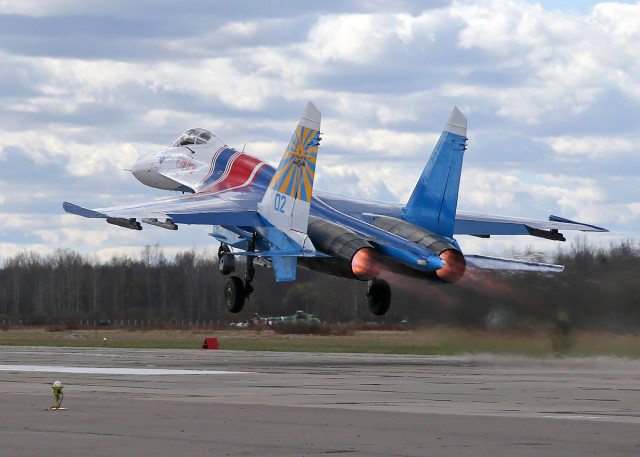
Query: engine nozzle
x,y
365,264
454,267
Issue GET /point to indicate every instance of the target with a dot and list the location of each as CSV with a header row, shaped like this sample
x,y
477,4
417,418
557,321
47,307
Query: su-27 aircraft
x,y
275,218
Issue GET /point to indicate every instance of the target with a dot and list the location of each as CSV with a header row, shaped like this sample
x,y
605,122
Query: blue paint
x,y
433,261
240,217
284,268
434,200
219,166
279,202
411,252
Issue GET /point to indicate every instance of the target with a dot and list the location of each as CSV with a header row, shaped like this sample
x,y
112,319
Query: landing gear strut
x,y
235,290
226,263
378,296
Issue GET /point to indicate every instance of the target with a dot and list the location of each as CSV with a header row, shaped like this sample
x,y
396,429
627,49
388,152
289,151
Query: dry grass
x,y
431,340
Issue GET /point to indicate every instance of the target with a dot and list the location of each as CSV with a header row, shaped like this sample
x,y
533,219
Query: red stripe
x,y
241,168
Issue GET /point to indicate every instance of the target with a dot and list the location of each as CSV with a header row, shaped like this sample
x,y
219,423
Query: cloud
x,y
537,196
79,159
566,60
355,38
551,96
75,237
8,250
592,147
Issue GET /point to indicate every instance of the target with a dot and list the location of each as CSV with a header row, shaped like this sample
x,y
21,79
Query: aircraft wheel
x,y
234,294
226,263
378,296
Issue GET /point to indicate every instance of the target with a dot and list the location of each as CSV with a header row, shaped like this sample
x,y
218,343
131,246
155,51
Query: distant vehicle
x,y
239,324
299,316
274,216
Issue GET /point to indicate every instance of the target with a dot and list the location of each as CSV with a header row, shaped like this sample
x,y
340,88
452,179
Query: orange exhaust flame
x,y
489,284
454,268
365,264
424,293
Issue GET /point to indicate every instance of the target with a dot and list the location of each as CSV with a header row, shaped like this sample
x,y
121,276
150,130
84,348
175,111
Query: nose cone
x,y
142,169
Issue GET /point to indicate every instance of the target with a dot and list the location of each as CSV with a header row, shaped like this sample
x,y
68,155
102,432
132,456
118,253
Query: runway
x,y
207,402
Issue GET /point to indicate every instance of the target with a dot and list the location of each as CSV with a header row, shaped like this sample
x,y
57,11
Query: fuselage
x,y
276,215
213,166
200,162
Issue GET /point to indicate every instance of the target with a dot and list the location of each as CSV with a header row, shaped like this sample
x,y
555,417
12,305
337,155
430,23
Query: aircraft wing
x,y
481,225
485,226
237,208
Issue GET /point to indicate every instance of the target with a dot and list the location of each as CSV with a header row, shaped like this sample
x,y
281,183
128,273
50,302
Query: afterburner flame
x,y
365,264
454,268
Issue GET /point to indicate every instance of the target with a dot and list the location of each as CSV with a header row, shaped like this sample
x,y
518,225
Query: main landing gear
x,y
236,291
378,296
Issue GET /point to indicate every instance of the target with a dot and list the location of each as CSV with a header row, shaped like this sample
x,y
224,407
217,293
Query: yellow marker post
x,y
57,392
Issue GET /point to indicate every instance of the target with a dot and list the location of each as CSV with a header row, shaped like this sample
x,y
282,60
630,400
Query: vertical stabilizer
x,y
434,200
287,201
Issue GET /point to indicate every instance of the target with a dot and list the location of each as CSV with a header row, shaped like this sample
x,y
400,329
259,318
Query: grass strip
x,y
443,341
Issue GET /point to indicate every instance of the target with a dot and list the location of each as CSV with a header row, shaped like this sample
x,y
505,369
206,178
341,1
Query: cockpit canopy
x,y
194,136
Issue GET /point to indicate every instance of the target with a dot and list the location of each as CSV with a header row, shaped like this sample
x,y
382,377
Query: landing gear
x,y
226,263
249,273
235,290
378,296
234,294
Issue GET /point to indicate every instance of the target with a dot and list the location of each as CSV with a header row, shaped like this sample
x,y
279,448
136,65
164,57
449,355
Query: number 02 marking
x,y
279,202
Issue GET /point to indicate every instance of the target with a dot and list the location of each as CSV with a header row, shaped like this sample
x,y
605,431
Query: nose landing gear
x,y
236,291
226,263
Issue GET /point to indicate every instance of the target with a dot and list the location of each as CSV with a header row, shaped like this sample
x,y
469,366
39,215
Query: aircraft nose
x,y
137,169
142,169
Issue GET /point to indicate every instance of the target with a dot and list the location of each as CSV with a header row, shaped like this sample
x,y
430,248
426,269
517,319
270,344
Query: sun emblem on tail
x,y
294,176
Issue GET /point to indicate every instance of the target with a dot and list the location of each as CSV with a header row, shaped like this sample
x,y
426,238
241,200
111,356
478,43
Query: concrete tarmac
x,y
206,402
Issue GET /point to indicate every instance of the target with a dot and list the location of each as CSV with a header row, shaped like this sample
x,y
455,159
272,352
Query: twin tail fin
x,y
434,200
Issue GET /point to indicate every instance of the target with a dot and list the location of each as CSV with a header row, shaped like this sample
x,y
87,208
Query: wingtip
x,y
592,228
457,123
80,211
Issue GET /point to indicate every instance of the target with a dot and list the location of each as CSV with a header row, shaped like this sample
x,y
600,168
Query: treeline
x,y
599,289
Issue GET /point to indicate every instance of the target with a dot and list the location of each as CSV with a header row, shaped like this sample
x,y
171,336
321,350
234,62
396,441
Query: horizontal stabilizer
x,y
497,263
280,253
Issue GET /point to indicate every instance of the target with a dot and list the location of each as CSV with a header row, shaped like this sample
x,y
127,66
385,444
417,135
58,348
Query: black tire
x,y
379,296
234,294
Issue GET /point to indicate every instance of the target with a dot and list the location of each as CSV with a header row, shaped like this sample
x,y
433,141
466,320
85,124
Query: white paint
x,y
116,371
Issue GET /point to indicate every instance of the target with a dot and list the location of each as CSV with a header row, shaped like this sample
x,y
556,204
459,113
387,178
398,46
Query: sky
x,y
551,91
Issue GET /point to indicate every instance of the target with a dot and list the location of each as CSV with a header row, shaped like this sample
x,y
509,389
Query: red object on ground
x,y
210,343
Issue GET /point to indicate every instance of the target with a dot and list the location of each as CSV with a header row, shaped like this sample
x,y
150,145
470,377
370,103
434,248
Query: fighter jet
x,y
274,217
